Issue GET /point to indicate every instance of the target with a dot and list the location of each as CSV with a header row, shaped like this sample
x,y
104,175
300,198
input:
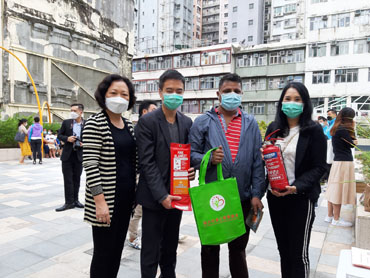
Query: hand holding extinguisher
x,y
277,175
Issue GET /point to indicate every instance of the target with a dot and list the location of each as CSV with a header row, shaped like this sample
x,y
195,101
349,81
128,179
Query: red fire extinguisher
x,y
275,164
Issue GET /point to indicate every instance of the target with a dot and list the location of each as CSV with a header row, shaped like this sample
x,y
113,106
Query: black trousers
x,y
160,237
108,244
72,169
36,149
210,254
292,217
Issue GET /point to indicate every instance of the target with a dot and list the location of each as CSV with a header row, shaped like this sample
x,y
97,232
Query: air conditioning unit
x,y
339,71
143,60
357,12
250,104
255,55
160,58
282,52
325,18
181,57
201,79
187,79
333,43
253,81
290,78
281,85
314,45
224,51
276,104
188,55
290,52
245,56
205,54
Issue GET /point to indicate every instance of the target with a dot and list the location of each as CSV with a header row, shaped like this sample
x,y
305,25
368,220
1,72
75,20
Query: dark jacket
x,y
153,143
310,163
342,145
206,133
65,131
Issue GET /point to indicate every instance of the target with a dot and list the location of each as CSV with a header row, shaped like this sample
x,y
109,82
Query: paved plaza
x,y
36,241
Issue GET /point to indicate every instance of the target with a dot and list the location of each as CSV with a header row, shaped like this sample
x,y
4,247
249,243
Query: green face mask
x,y
172,101
292,109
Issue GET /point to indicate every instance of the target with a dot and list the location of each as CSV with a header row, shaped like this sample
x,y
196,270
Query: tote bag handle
x,y
204,166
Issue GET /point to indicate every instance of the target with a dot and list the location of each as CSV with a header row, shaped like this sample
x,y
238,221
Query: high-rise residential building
x,y
267,21
197,21
211,21
245,21
163,25
287,19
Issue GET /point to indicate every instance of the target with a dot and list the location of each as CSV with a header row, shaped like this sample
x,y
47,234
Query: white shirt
x,y
289,152
50,138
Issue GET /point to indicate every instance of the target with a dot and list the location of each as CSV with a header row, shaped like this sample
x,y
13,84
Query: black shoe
x,y
79,205
40,162
34,162
65,207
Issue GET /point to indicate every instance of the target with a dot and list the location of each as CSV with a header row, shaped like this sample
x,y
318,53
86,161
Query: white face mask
x,y
117,105
74,115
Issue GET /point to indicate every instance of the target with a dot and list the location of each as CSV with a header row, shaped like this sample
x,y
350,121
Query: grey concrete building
x,y
68,47
163,25
246,21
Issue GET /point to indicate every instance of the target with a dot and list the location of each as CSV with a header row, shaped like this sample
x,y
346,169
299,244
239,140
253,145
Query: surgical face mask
x,y
292,109
117,105
74,115
49,132
172,101
231,101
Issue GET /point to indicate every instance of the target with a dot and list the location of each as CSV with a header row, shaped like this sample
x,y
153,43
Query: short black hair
x,y
145,104
36,119
230,77
170,74
305,119
332,110
22,121
79,105
322,118
106,83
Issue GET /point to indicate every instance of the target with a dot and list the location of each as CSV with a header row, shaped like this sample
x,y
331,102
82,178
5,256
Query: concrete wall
x,y
68,47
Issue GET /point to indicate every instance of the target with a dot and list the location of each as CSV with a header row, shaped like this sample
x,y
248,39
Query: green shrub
x,y
263,127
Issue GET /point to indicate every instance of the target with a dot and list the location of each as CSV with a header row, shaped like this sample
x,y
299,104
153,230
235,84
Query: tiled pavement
x,y
36,241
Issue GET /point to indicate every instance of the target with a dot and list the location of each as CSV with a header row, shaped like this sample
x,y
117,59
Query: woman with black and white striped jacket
x,y
110,162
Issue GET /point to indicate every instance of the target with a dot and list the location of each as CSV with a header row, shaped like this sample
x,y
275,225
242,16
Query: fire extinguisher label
x,y
270,155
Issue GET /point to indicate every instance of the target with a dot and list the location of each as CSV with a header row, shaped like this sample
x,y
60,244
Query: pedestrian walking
x,y
341,184
71,134
35,137
25,145
237,136
110,162
303,147
155,132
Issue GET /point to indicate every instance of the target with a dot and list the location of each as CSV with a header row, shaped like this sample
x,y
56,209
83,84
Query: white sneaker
x,y
341,223
328,219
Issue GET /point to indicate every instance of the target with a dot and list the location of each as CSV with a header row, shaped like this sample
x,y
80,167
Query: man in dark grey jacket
x,y
237,136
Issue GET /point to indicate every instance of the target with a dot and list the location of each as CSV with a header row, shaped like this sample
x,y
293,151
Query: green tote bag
x,y
217,207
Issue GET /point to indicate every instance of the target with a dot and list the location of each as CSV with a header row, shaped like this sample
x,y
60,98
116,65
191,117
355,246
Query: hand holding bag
x,y
217,207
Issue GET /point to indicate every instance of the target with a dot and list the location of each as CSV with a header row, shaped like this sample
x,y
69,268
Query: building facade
x,y
246,21
68,47
163,25
197,21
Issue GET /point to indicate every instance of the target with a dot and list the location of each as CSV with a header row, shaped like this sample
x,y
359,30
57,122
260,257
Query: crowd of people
x,y
128,171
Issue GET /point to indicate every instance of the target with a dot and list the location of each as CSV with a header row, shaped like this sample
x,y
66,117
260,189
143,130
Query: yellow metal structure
x,y
42,110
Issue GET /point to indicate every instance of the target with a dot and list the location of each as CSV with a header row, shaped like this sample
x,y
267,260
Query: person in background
x,y
134,240
237,136
342,184
155,132
303,147
35,137
324,123
25,145
50,141
110,162
71,134
332,115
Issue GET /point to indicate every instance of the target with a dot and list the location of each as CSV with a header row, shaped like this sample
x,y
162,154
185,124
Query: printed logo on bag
x,y
217,202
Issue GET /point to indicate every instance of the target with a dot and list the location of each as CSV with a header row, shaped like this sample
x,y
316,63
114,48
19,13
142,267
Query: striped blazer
x,y
99,162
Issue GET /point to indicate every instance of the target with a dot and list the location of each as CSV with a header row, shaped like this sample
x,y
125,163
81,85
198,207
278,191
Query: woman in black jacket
x,y
341,184
303,147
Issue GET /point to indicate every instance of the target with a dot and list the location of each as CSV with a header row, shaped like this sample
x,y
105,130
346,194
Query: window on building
x,y
206,105
225,23
252,60
318,22
361,46
153,24
318,1
226,6
341,20
152,86
362,17
250,38
143,26
290,8
289,23
251,6
139,65
258,108
140,86
215,57
190,107
209,82
153,11
143,13
368,78
339,48
278,11
234,39
235,24
186,60
235,9
226,14
287,56
250,22
276,83
317,50
254,84
191,83
346,75
319,77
